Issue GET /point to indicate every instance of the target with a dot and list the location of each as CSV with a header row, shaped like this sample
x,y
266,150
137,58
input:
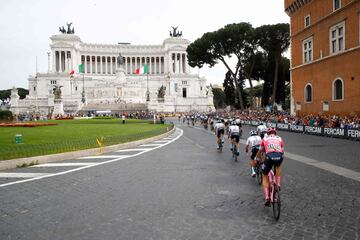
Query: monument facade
x,y
108,79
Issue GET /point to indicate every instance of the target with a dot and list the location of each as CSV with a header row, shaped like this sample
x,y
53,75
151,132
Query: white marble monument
x,y
110,81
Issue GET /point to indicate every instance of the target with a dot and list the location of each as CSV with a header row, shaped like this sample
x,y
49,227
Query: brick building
x,y
325,56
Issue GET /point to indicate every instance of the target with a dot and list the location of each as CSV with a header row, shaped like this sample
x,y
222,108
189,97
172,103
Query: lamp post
x,y
83,90
147,91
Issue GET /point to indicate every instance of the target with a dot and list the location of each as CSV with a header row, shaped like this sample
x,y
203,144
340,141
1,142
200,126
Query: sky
x,y
26,26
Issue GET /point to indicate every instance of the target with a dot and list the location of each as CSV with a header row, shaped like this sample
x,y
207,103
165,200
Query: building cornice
x,y
296,5
326,58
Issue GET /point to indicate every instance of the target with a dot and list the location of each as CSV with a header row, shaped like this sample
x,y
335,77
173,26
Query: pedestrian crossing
x,y
12,177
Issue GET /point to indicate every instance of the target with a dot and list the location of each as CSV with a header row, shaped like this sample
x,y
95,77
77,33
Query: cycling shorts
x,y
220,132
254,151
262,134
236,137
271,159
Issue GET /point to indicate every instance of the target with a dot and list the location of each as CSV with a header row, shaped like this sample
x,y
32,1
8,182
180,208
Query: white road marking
x,y
315,163
133,150
100,157
325,166
161,141
63,164
150,145
120,157
22,175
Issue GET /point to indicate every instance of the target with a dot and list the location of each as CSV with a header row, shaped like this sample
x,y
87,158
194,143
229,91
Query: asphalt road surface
x,y
182,188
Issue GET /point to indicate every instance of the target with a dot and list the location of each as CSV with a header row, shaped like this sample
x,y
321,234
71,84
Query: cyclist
x,y
238,122
253,142
273,146
219,131
234,135
261,130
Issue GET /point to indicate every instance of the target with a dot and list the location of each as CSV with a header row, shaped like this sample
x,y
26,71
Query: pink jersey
x,y
273,143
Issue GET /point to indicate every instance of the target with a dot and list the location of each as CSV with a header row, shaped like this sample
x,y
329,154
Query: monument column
x,y
53,61
150,67
176,63
126,65
106,65
181,63
91,64
85,63
131,65
111,65
101,65
96,69
60,62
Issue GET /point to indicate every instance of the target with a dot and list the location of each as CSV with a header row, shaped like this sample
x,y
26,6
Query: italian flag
x,y
143,70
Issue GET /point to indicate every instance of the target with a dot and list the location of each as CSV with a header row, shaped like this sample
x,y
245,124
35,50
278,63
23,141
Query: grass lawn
x,y
72,135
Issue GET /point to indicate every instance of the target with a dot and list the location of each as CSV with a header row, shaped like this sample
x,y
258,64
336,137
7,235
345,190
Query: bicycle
x,y
234,151
258,171
221,144
274,193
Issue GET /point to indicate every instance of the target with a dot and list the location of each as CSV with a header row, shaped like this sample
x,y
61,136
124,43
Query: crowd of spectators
x,y
318,120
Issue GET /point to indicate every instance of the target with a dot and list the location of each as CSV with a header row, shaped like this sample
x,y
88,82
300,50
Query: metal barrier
x,y
353,134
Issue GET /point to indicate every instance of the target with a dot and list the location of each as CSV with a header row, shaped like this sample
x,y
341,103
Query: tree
x,y
232,40
4,94
219,98
274,39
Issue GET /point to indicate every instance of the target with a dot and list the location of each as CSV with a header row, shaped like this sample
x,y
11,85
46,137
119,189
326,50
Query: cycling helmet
x,y
233,123
271,130
261,123
219,121
253,133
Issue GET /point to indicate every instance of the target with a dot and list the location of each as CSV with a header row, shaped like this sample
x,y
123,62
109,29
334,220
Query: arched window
x,y
338,89
308,93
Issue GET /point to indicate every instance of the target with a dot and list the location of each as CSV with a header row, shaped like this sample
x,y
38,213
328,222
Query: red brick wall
x,y
323,71
321,75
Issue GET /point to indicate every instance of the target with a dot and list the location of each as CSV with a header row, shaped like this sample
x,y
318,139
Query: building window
x,y
336,4
184,82
34,89
307,21
184,92
53,82
337,38
308,50
76,88
338,89
308,93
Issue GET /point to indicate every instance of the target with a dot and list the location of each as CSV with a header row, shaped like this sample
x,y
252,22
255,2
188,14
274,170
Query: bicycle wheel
x,y
258,172
276,204
234,152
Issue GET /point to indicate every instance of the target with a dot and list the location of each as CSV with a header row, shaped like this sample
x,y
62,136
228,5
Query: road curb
x,y
13,163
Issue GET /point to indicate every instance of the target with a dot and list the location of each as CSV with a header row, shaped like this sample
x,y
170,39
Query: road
x,y
182,188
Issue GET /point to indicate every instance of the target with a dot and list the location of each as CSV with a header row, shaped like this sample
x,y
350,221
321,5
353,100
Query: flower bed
x,y
32,124
64,118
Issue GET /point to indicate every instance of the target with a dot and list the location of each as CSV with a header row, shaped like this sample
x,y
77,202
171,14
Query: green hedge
x,y
6,115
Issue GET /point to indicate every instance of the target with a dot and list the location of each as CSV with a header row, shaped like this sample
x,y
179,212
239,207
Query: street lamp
x,y
147,91
83,90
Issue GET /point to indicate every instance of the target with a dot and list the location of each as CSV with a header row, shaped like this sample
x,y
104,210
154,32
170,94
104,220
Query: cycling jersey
x,y
219,126
272,143
253,141
273,147
261,129
234,130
